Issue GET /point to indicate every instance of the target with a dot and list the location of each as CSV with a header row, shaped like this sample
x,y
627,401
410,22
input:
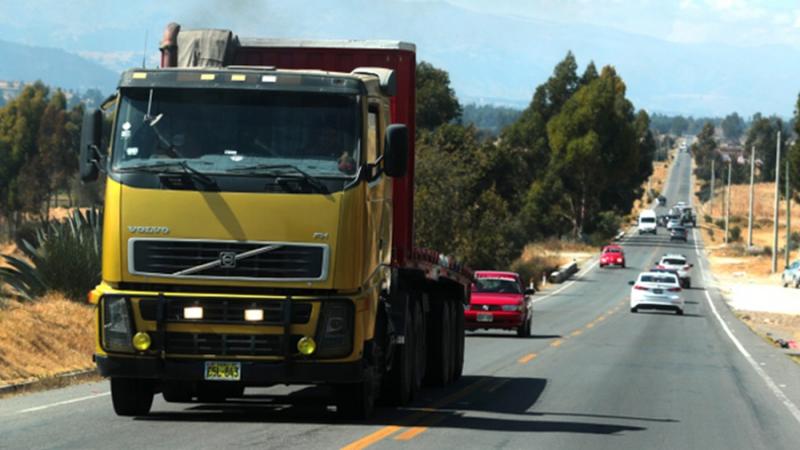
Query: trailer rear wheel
x,y
132,396
440,350
420,352
459,365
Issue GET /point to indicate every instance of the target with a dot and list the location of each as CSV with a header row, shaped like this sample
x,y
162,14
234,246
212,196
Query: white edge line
x,y
65,402
769,382
577,277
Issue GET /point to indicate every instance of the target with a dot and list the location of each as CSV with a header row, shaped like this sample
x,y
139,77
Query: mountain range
x,y
491,58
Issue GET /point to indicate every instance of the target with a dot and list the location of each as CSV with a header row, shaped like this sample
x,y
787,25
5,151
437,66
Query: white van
x,y
647,222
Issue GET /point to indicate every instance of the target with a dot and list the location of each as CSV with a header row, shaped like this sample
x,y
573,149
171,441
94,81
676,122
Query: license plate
x,y
485,317
658,291
223,371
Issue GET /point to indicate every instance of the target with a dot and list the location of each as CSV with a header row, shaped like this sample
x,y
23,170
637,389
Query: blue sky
x,y
112,32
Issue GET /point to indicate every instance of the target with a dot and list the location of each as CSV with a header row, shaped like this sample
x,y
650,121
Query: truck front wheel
x,y
132,396
357,400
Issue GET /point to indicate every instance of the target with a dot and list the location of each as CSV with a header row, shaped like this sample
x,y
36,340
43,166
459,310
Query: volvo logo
x,y
227,260
147,230
320,236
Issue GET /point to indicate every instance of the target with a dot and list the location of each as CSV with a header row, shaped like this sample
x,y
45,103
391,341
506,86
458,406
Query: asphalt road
x,y
593,375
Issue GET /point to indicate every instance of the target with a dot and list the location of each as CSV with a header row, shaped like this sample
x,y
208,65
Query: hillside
x,y
54,67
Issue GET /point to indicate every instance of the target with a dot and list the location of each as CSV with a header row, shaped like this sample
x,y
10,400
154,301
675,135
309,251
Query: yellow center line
x,y
527,358
590,325
388,430
370,439
576,333
601,318
556,343
497,386
413,432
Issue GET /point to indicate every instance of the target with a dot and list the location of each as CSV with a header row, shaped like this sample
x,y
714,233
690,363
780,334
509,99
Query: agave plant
x,y
64,256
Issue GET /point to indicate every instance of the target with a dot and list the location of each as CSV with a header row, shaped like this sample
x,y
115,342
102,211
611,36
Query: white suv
x,y
679,264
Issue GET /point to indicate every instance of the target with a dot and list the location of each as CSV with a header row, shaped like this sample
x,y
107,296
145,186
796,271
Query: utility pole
x,y
711,198
728,199
788,216
750,214
777,203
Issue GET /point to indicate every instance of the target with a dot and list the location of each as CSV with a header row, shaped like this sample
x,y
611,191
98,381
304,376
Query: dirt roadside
x,y
744,275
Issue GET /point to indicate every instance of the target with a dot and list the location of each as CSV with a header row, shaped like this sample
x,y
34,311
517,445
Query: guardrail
x,y
563,272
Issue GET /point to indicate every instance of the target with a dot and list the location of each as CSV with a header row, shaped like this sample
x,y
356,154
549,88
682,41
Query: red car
x,y
499,300
612,255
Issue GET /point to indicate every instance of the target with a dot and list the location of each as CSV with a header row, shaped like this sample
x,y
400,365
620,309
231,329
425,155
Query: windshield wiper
x,y
160,168
312,181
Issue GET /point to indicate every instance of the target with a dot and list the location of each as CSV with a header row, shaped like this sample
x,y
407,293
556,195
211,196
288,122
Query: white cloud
x,y
112,60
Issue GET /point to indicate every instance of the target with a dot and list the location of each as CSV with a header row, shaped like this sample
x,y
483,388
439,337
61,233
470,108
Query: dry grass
x,y
44,338
541,258
731,261
784,326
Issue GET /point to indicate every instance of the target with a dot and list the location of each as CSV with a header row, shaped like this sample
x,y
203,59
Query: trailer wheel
x,y
132,396
420,352
460,344
440,350
399,386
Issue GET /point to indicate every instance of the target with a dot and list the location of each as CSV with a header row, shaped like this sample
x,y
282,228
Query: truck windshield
x,y
228,131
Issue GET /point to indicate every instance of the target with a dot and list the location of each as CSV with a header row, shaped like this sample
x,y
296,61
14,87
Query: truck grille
x,y
228,259
227,344
226,311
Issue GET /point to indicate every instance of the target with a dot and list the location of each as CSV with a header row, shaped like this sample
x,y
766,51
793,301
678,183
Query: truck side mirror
x,y
90,156
395,159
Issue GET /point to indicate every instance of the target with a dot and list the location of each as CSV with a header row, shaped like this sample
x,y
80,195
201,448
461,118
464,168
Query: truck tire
x,y
398,388
459,364
440,350
132,396
177,392
357,400
420,350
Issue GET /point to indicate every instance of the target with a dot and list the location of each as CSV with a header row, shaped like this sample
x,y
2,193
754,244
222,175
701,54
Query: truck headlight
x,y
335,329
117,325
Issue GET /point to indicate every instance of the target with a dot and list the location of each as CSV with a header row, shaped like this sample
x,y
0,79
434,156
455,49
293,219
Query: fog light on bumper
x,y
141,341
306,345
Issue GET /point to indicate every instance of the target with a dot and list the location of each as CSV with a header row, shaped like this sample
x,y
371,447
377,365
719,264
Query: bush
x,y
720,223
64,256
707,218
736,219
734,234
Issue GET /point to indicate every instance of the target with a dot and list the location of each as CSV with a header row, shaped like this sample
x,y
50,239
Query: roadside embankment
x,y
44,338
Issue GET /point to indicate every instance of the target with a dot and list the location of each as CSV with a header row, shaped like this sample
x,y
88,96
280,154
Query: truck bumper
x,y
254,373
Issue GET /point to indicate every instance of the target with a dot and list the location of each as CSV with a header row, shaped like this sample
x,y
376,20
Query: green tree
x,y
794,150
530,131
763,135
732,126
595,150
705,150
436,101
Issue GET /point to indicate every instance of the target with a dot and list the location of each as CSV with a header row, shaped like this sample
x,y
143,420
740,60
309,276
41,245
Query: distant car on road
x,y
662,201
673,223
678,263
656,290
612,255
499,300
791,275
678,233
